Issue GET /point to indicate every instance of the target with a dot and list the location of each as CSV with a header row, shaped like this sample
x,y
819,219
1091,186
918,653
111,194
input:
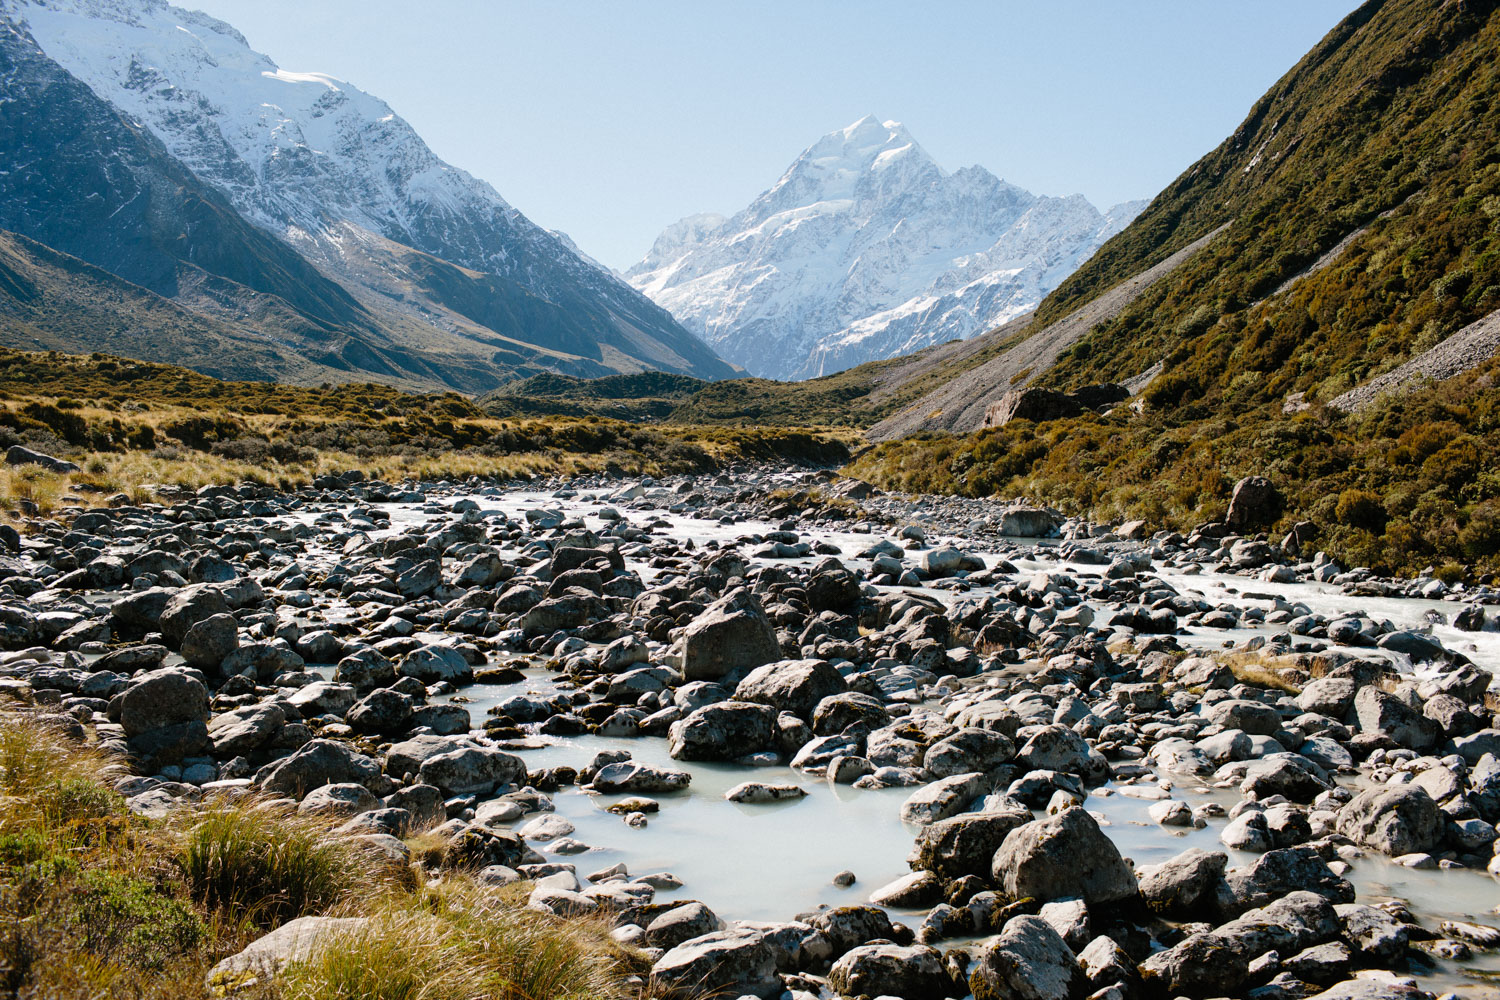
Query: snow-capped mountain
x,y
336,173
864,249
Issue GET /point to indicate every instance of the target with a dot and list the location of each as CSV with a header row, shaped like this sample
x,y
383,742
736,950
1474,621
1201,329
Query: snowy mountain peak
x,y
866,248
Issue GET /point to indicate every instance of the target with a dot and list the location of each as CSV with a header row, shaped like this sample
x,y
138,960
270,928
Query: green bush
x,y
1361,509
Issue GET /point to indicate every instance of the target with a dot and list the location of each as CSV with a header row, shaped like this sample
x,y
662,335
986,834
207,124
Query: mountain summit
x,y
440,262
864,249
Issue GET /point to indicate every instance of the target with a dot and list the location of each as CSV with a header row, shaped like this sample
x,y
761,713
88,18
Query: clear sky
x,y
611,120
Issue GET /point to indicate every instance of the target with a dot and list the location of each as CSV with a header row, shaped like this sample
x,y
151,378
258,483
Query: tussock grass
x,y
96,902
1288,674
268,868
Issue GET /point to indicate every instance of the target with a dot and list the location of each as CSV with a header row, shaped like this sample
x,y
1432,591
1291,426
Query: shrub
x,y
131,919
1361,509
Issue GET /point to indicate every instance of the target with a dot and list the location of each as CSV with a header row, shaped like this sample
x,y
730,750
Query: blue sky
x,y
611,120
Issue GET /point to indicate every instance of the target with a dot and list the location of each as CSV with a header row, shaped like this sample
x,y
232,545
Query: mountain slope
x,y
336,174
864,249
1359,204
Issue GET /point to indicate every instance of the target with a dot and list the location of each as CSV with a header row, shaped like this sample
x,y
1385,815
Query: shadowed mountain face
x,y
153,143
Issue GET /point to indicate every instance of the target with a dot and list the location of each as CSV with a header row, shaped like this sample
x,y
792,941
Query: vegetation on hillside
x,y
134,426
644,396
96,901
1388,131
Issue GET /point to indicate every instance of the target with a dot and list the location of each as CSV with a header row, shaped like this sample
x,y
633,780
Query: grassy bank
x,y
135,427
98,902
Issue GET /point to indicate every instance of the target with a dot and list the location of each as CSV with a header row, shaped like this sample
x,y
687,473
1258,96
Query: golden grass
x,y
98,903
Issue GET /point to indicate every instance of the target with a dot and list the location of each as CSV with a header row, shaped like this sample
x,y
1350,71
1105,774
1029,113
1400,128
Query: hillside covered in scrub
x,y
1360,212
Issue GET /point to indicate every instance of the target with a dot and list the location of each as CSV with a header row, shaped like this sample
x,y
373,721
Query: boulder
x,y
916,972
18,455
208,642
472,770
318,763
966,751
723,731
431,664
1385,715
682,923
1028,961
965,844
632,777
731,635
795,686
1255,503
1395,819
1185,887
1060,856
294,941
735,962
164,697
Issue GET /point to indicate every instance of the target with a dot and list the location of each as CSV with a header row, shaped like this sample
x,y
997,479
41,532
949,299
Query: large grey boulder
x,y
1330,696
472,770
1202,964
244,731
431,664
1058,748
733,962
732,634
942,798
1184,887
968,750
208,642
795,686
1252,717
18,455
1386,715
1278,872
1028,961
964,844
163,697
912,973
294,941
188,607
1255,503
1399,819
723,731
682,923
1061,856
319,763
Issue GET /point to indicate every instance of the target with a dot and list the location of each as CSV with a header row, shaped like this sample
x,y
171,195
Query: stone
x,y
340,800
1373,931
1255,503
733,962
187,607
1184,887
243,731
1252,717
914,972
1061,856
724,731
160,698
966,751
1278,872
1028,961
1385,715
942,798
1330,696
758,792
731,634
1202,964
294,941
431,664
964,844
208,642
318,763
681,923
795,686
472,770
380,711
632,777
1397,820
18,455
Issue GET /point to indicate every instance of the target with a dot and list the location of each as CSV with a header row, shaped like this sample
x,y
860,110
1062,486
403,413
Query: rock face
x,y
1396,820
732,634
1062,856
